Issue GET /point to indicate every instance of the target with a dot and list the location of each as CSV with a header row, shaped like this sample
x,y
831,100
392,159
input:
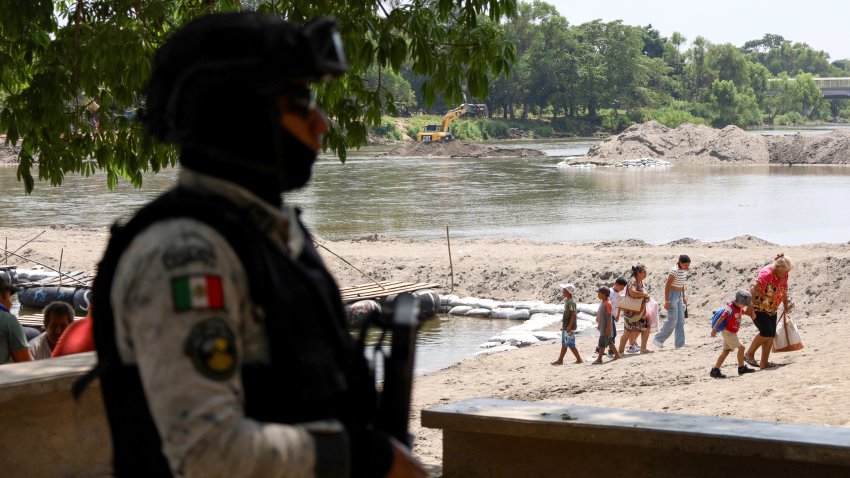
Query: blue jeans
x,y
675,320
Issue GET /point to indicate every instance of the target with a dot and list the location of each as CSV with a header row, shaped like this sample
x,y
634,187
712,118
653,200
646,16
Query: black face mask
x,y
255,152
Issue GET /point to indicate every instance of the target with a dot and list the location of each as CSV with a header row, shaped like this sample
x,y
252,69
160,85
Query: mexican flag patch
x,y
197,292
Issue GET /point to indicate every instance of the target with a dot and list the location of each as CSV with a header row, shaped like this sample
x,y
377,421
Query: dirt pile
x,y
687,144
694,144
832,148
459,149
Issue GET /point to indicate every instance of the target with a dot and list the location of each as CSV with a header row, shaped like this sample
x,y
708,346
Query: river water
x,y
506,198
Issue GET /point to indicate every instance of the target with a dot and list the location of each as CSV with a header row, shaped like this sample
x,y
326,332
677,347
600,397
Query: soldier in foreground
x,y
210,362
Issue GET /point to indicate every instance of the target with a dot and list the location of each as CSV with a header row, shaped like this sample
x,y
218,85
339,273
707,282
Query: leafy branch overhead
x,y
67,78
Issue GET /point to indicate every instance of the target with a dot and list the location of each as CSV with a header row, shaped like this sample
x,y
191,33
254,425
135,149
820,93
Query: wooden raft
x,y
375,291
31,320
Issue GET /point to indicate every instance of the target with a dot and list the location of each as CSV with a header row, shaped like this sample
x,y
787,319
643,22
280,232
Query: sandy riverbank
x,y
813,384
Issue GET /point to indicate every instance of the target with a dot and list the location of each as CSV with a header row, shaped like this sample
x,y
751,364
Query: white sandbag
x,y
510,314
489,345
548,309
462,301
539,321
448,299
518,338
588,308
543,336
521,304
486,304
586,317
501,313
460,310
520,314
500,348
479,312
522,340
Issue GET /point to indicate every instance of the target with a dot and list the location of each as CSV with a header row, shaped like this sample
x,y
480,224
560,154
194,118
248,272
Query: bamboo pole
x,y
61,253
44,265
343,260
451,266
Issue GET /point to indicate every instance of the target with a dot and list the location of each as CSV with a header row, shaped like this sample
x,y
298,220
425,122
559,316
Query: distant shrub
x,y
574,126
412,131
673,117
789,118
494,129
541,130
615,122
387,129
466,130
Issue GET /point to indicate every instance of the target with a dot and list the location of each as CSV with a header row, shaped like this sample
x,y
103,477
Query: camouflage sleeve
x,y
182,314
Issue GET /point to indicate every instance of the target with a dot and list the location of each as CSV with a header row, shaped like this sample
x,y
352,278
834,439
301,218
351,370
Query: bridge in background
x,y
832,88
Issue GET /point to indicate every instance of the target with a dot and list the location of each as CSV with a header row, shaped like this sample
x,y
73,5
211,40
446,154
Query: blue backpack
x,y
717,314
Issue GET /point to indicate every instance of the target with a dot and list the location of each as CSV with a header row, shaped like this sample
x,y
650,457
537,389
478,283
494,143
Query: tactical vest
x,y
315,371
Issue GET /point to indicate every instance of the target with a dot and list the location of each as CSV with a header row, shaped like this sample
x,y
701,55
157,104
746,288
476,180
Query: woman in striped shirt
x,y
674,302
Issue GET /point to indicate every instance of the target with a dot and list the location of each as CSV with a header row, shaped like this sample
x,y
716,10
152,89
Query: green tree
x,y
59,69
731,106
727,63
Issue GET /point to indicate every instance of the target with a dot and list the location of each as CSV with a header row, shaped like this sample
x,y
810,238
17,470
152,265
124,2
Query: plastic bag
x,y
787,336
651,314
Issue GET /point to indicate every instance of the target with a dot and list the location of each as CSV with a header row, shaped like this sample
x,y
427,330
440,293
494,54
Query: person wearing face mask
x,y
209,362
13,341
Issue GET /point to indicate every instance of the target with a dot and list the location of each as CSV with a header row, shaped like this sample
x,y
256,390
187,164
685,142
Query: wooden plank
x,y
374,291
31,320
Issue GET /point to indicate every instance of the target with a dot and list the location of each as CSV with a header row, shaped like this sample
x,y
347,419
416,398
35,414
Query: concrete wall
x,y
503,438
44,432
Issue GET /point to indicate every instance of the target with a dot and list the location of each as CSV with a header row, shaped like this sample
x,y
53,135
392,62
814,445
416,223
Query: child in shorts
x,y
605,325
568,325
728,324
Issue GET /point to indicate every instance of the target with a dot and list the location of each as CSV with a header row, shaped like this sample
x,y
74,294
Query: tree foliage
x,y
70,69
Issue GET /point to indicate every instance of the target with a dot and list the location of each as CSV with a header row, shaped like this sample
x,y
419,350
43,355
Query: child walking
x,y
568,325
728,324
605,325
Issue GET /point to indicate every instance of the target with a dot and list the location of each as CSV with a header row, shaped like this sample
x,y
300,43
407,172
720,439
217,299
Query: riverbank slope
x,y
810,386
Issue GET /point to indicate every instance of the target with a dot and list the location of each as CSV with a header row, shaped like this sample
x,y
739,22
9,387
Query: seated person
x,y
58,316
13,342
78,338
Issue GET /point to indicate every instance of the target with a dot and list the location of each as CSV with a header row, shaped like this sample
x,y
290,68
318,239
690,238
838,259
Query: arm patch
x,y
212,348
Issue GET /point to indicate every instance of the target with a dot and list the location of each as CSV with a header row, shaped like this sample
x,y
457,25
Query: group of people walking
x,y
767,292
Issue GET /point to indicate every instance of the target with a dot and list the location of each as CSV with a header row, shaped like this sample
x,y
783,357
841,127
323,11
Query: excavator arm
x,y
431,132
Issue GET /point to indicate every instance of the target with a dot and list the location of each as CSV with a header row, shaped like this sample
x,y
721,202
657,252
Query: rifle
x,y
402,319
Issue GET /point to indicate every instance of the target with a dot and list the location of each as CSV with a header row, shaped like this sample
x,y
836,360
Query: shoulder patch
x,y
197,292
212,348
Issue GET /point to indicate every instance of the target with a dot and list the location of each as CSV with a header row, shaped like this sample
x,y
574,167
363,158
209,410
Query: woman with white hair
x,y
769,289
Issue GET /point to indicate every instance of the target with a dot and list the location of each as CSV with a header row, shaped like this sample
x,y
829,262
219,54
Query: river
x,y
508,198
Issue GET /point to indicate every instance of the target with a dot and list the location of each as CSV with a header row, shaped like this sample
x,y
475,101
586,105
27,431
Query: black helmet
x,y
218,62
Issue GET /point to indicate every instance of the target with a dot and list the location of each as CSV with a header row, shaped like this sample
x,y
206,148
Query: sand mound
x,y
692,144
459,149
687,144
832,148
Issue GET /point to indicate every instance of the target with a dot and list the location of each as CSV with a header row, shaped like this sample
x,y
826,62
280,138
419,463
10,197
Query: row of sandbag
x,y
510,310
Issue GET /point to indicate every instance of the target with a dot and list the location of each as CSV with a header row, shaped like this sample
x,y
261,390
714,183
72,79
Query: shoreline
x,y
811,385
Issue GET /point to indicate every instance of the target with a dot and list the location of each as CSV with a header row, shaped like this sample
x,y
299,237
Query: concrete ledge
x,y
504,438
44,431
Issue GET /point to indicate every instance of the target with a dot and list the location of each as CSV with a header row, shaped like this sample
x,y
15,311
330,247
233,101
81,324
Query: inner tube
x,y
39,296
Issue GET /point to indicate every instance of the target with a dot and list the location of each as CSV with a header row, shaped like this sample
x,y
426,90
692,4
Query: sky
x,y
822,24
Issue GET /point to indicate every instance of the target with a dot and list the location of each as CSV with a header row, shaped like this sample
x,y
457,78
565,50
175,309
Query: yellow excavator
x,y
440,132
